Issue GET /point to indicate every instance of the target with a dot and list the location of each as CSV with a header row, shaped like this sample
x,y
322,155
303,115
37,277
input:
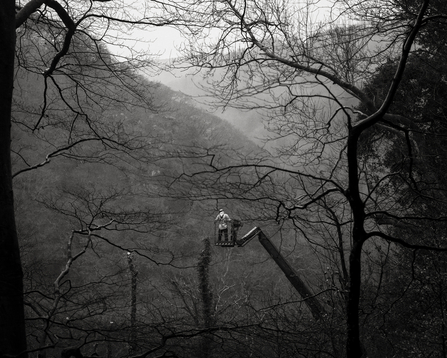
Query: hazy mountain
x,y
248,122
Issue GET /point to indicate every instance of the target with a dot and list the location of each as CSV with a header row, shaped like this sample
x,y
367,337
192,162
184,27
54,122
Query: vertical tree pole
x,y
133,304
12,322
205,294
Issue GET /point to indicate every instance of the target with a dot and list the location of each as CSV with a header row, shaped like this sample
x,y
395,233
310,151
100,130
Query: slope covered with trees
x,y
111,250
414,158
117,180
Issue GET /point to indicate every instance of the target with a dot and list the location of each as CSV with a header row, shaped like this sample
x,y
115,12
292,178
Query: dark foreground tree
x,y
54,42
12,324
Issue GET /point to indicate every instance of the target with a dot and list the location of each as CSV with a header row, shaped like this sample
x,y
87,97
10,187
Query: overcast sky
x,y
164,41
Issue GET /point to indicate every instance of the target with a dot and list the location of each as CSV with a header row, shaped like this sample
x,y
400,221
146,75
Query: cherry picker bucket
x,y
228,238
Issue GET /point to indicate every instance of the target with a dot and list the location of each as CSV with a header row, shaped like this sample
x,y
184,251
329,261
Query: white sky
x,y
163,42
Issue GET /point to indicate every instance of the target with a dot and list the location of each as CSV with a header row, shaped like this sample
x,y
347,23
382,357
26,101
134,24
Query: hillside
x,y
134,175
248,122
118,177
94,159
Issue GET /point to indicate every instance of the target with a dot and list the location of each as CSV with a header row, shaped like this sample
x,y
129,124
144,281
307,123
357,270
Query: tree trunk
x,y
12,322
206,297
133,304
354,346
353,342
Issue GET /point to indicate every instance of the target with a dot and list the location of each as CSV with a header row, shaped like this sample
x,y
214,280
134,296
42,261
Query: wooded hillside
x,y
111,249
117,181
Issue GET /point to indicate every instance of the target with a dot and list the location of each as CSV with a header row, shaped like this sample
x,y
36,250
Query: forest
x,y
110,181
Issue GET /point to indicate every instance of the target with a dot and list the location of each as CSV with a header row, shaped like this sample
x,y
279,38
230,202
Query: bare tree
x,y
52,42
12,326
306,79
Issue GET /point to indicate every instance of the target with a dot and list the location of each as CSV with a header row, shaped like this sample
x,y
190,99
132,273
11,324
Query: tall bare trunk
x,y
206,296
133,304
354,344
12,322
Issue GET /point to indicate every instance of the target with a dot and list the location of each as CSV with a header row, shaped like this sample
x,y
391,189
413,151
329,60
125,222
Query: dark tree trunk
x,y
206,297
133,304
354,346
12,323
353,342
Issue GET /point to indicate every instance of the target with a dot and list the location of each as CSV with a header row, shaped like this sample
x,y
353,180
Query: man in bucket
x,y
223,220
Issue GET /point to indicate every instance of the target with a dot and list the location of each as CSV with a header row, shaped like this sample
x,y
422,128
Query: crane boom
x,y
300,286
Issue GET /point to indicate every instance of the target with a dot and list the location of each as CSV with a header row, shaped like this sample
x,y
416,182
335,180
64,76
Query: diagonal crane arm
x,y
300,286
